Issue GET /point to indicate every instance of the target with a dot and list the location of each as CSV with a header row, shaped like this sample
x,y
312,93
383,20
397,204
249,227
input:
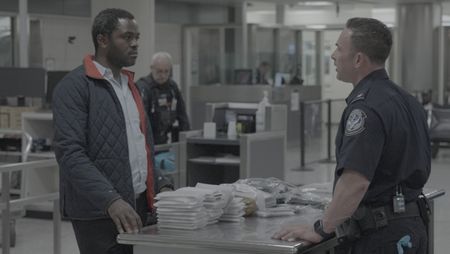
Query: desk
x,y
253,155
46,180
251,236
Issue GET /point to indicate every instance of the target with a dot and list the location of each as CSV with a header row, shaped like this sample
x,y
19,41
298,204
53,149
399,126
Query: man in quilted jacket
x,y
103,142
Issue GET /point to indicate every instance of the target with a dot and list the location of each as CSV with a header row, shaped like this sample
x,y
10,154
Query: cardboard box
x,y
11,117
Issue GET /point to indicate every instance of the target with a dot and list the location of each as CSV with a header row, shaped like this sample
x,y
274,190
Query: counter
x,y
251,236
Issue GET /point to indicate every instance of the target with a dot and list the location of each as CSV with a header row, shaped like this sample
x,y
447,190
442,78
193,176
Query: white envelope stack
x,y
234,211
233,207
188,208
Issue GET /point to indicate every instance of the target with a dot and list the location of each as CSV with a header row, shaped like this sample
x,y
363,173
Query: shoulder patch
x,y
355,122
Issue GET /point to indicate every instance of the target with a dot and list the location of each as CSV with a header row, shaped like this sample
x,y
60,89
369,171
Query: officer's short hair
x,y
371,37
161,55
106,22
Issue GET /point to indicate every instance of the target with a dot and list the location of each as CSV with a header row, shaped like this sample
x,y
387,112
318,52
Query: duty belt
x,y
366,219
369,218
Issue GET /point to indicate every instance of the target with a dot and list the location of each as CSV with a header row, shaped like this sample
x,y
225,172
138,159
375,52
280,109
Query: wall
x,y
167,12
322,15
58,53
62,55
168,38
182,13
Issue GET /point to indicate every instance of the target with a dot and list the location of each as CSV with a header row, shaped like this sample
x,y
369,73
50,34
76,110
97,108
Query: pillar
x,y
419,45
23,33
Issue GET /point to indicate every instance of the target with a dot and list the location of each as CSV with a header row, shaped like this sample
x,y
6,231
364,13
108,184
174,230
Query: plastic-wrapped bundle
x,y
271,185
317,194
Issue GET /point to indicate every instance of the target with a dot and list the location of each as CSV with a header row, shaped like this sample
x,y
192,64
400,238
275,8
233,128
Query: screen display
x,y
26,82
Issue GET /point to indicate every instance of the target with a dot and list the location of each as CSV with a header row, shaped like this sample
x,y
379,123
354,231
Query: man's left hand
x,y
297,233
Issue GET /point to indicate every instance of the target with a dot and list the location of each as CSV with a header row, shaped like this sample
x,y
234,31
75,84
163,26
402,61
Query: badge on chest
x,y
162,101
166,103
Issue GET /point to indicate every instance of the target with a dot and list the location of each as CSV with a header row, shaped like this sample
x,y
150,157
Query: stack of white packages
x,y
224,201
212,204
234,211
233,207
188,208
280,210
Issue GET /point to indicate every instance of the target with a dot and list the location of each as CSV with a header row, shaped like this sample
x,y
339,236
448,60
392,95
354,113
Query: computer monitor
x,y
23,82
53,78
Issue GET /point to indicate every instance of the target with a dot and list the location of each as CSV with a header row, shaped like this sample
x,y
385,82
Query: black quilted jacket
x,y
91,145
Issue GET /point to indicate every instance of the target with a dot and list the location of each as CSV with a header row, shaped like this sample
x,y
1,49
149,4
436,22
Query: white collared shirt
x,y
135,137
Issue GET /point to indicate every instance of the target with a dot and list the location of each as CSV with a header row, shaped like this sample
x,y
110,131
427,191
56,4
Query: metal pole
x,y
302,135
56,227
430,228
6,240
329,130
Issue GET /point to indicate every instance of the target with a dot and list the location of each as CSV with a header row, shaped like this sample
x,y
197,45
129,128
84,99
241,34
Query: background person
x,y
263,74
163,101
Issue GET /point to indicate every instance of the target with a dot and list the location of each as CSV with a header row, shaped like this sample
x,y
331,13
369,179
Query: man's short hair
x,y
371,37
106,22
161,55
264,64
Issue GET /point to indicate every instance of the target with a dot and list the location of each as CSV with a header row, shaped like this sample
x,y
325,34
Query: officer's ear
x,y
358,59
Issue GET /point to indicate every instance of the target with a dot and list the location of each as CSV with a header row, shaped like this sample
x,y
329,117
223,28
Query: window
x,y
6,42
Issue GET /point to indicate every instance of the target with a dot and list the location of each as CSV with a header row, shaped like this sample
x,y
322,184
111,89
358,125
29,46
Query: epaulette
x,y
360,96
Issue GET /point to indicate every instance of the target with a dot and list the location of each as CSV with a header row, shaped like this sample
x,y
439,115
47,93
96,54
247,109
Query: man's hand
x,y
298,232
125,217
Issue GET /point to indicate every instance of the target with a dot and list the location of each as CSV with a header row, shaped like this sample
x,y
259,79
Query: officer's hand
x,y
298,232
250,206
125,217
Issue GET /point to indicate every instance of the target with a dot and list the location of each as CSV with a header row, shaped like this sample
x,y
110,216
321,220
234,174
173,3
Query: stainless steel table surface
x,y
251,236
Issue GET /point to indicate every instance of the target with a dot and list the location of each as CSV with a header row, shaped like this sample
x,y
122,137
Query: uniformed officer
x,y
163,101
382,152
263,74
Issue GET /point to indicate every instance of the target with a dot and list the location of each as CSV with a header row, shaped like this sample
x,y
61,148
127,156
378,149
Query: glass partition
x,y
214,54
309,60
209,56
264,43
233,55
6,42
329,45
287,50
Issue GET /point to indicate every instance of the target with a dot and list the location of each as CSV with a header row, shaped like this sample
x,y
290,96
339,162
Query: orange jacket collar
x,y
92,71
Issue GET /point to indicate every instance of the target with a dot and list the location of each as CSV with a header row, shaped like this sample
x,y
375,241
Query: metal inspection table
x,y
251,236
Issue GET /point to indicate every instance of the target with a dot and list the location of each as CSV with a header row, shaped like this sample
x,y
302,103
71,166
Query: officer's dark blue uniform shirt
x,y
383,135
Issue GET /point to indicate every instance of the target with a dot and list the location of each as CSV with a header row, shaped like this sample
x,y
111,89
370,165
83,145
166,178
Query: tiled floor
x,y
35,235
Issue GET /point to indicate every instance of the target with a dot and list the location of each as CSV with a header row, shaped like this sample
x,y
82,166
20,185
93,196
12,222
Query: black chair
x,y
439,129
